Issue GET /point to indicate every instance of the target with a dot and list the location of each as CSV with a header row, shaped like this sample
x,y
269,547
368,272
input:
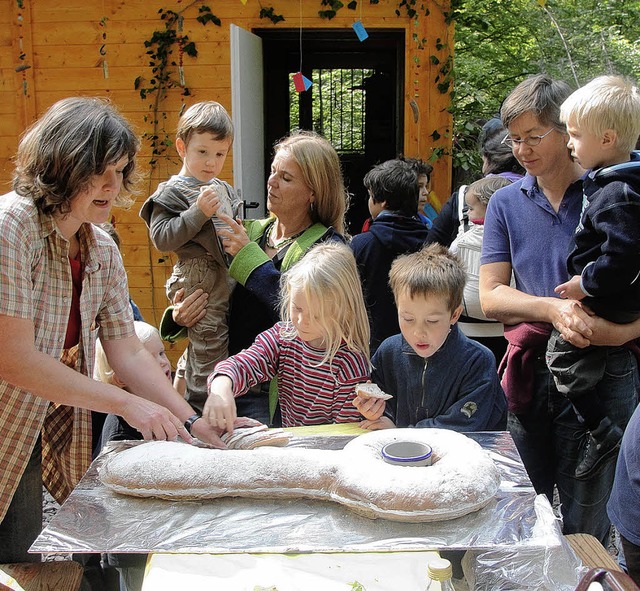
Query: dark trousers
x,y
576,373
23,522
632,558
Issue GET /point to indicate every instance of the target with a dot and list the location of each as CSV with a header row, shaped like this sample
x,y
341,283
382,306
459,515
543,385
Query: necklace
x,y
285,241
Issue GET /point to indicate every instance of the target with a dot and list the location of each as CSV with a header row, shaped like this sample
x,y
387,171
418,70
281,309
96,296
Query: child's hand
x,y
220,407
571,289
377,425
369,408
208,201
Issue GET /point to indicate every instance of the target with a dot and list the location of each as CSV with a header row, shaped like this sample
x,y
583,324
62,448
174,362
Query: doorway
x,y
355,100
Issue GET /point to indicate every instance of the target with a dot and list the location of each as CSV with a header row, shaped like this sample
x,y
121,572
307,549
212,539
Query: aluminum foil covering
x,y
94,519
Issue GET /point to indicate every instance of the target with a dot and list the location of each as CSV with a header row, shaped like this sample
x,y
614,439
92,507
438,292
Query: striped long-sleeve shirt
x,y
308,394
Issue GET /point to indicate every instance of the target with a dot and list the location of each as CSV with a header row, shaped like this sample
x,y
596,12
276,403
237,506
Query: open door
x,y
247,111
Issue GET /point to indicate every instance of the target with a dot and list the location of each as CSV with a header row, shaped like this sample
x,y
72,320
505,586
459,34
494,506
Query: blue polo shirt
x,y
521,228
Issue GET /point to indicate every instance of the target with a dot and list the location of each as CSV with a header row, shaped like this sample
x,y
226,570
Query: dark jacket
x,y
456,388
391,234
445,227
607,241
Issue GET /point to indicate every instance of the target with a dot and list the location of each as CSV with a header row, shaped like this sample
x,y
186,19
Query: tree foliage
x,y
498,43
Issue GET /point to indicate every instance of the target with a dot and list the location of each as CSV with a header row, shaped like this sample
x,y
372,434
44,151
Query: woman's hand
x,y
574,321
153,420
234,238
601,332
220,407
187,311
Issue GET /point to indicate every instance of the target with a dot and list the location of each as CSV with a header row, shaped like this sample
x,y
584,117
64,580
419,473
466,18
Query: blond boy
x,y
603,123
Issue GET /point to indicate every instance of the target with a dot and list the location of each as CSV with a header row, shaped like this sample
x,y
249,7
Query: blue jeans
x,y
549,437
23,522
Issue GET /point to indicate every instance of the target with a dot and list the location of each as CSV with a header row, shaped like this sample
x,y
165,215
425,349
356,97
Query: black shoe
x,y
601,444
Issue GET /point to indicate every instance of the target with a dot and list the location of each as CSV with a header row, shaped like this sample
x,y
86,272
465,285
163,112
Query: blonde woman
x,y
307,201
319,352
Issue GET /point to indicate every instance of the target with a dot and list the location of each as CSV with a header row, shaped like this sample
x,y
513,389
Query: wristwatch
x,y
189,422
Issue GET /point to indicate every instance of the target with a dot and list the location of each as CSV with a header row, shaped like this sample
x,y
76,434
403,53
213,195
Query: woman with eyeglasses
x,y
497,160
529,227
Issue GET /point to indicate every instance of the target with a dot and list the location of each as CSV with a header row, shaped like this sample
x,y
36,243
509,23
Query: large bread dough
x,y
463,478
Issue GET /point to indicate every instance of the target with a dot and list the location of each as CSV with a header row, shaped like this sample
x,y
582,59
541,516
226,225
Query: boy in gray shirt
x,y
182,217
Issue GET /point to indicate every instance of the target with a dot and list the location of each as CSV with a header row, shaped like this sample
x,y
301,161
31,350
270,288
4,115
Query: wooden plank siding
x,y
61,42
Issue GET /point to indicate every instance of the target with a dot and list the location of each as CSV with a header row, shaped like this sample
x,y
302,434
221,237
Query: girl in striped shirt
x,y
317,353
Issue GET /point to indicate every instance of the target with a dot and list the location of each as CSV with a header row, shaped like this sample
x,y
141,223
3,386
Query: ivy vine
x,y
166,49
269,13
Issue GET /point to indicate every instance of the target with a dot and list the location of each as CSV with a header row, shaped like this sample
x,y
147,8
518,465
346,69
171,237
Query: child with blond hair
x,y
116,428
603,123
130,567
183,217
437,376
319,352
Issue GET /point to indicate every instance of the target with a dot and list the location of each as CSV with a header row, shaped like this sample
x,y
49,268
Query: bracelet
x,y
189,422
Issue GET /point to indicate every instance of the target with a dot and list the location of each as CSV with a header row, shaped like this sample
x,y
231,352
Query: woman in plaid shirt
x,y
62,284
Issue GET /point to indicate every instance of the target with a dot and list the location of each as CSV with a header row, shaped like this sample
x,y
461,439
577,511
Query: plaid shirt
x,y
36,284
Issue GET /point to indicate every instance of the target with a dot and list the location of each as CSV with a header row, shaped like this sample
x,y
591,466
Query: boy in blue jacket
x,y
603,123
438,377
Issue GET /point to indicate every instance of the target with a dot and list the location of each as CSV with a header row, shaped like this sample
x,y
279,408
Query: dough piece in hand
x,y
258,436
370,390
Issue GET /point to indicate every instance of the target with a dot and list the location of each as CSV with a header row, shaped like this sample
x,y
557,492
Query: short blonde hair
x,y
102,370
328,277
321,172
607,102
205,117
433,270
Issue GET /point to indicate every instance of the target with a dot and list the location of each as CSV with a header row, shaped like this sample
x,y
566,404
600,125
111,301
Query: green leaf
x,y
190,49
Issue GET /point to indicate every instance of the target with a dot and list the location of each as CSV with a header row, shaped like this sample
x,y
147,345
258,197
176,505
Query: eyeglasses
x,y
532,140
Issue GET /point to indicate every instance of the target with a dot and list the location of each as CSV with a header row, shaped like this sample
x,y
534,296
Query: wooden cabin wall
x,y
51,49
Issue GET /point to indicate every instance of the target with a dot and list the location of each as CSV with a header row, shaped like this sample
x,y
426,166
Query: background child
x,y
116,428
468,247
395,230
130,567
181,216
438,376
319,352
426,211
603,123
